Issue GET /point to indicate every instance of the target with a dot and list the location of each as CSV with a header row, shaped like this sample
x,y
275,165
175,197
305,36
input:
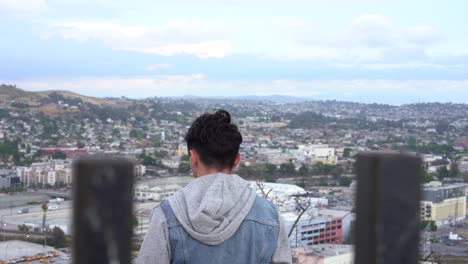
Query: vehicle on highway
x,y
23,211
56,200
52,207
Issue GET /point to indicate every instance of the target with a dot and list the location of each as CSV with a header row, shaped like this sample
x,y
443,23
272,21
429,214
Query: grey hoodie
x,y
210,208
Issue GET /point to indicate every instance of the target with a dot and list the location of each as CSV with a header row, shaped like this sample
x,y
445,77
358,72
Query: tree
x,y
424,223
80,144
184,167
160,154
344,181
270,169
347,152
454,170
412,142
185,158
23,228
59,155
134,221
288,169
303,170
136,134
58,237
426,178
442,172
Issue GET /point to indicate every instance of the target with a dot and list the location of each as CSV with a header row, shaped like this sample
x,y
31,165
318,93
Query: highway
x,y
62,216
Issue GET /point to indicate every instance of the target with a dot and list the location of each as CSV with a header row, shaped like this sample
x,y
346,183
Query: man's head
x,y
213,143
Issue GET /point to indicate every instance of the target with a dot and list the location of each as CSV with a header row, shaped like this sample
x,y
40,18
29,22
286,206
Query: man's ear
x,y
237,161
194,162
194,159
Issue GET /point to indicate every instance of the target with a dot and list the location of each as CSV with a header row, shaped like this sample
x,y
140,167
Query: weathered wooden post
x,y
387,224
102,210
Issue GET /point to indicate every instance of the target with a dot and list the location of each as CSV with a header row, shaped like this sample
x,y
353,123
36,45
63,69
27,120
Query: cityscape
x,y
299,153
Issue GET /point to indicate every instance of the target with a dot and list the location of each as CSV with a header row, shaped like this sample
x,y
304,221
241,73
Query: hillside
x,y
53,103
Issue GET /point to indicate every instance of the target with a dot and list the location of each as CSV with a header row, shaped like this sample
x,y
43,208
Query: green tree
x,y
288,169
184,167
270,169
160,154
58,237
424,223
426,178
134,221
412,142
138,134
80,144
344,181
303,170
23,228
185,158
454,170
347,152
59,155
442,172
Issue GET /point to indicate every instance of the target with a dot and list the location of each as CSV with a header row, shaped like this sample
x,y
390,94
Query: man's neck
x,y
208,171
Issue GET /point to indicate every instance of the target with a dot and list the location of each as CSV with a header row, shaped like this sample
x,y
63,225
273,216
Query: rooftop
x,y
327,250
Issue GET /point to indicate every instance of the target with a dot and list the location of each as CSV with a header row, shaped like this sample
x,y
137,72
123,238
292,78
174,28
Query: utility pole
x,y
45,237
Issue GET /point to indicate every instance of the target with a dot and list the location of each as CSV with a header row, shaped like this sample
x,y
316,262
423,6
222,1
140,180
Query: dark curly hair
x,y
215,139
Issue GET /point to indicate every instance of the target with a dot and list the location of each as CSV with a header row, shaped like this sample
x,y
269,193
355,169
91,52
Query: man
x,y
216,218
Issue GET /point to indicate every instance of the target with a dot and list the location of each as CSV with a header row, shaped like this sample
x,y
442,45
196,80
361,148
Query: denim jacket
x,y
255,240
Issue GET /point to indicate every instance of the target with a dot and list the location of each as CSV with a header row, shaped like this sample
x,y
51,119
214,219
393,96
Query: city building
x,y
317,227
156,193
51,172
324,254
8,178
140,170
443,204
317,153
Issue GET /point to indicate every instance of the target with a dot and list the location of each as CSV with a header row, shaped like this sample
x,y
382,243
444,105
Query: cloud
x,y
108,32
203,50
154,67
371,30
22,5
21,8
421,35
177,36
370,38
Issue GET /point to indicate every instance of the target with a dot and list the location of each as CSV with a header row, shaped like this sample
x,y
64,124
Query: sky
x,y
354,50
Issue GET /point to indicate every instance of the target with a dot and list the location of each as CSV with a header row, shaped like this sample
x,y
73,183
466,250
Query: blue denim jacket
x,y
254,242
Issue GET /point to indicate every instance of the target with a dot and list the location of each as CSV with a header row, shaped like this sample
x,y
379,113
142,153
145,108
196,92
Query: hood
x,y
212,207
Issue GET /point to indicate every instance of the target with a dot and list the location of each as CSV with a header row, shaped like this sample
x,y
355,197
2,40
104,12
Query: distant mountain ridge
x,y
272,98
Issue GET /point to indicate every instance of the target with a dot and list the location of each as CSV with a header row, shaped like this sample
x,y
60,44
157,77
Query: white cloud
x,y
178,36
371,30
22,5
422,34
154,67
214,49
109,32
370,38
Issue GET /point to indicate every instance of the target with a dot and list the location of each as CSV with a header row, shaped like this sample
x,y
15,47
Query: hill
x,y
56,102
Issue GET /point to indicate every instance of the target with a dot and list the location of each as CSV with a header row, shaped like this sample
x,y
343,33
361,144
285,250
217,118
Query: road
x,y
62,216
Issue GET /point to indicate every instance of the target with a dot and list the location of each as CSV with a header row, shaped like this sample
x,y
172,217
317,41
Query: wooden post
x,y
388,208
102,210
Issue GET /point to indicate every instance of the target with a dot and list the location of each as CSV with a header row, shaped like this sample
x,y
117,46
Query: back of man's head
x,y
215,139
